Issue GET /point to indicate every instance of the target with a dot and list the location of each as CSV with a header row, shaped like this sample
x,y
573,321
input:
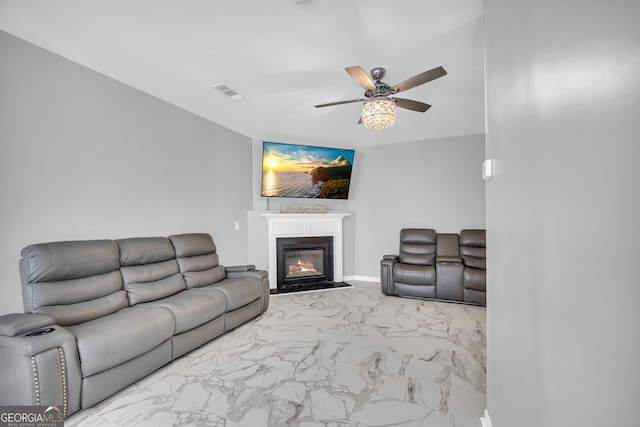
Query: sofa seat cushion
x,y
191,309
238,291
414,274
108,341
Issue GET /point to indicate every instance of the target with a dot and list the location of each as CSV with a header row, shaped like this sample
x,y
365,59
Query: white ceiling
x,y
284,56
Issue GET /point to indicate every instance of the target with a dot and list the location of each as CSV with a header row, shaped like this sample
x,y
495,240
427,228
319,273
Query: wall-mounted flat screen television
x,y
303,171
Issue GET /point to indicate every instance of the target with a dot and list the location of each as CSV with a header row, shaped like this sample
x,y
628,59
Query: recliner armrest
x,y
386,273
40,364
236,272
240,271
237,268
15,324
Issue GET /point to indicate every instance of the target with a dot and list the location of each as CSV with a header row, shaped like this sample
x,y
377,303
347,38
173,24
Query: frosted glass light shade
x,y
379,114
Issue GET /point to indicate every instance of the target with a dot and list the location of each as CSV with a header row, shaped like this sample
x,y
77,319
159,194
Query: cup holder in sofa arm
x,y
40,331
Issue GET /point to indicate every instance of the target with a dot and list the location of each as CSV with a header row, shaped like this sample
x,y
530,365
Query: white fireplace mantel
x,y
305,225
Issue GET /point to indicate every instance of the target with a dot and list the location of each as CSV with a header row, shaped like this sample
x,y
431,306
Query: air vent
x,y
229,92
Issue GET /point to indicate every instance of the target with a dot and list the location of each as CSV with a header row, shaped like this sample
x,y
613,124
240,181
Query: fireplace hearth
x,y
314,286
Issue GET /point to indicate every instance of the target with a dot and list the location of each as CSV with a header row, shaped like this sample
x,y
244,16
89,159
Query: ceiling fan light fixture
x,y
379,113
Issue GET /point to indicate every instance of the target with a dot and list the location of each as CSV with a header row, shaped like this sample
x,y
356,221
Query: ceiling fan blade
x,y
361,77
410,104
419,79
340,102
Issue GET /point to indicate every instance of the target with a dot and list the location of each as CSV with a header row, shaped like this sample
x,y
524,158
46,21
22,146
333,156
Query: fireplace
x,y
303,261
298,225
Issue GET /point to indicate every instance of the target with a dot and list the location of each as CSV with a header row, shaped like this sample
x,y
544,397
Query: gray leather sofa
x,y
439,266
101,314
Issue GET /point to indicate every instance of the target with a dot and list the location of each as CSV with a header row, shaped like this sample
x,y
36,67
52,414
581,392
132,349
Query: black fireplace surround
x,y
305,263
304,250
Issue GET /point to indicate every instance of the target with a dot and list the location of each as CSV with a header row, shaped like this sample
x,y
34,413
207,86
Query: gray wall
x,y
83,156
432,184
563,103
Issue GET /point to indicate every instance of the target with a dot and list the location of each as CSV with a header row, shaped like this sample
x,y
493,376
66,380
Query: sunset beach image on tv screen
x,y
303,171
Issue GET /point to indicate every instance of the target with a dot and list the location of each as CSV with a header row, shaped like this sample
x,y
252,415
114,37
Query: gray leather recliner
x,y
439,266
412,272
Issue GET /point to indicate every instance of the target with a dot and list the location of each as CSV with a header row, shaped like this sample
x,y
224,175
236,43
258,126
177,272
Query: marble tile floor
x,y
341,357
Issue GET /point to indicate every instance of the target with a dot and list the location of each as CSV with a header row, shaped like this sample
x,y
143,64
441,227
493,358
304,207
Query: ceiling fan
x,y
379,108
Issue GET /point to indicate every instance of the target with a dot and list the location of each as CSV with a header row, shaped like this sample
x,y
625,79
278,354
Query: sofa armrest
x,y
40,363
386,273
239,268
240,271
15,324
245,271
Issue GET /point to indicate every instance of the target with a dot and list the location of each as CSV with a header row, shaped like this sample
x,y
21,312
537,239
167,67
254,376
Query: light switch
x,y
237,225
487,169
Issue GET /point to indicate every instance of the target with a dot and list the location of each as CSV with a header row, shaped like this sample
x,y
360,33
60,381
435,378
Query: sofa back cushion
x,y
73,281
473,248
149,269
417,246
197,259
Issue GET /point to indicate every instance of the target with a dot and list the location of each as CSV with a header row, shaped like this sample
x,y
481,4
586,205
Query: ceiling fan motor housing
x,y
378,73
382,89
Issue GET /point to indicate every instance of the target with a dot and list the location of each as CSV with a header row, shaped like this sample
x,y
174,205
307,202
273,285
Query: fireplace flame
x,y
306,266
301,267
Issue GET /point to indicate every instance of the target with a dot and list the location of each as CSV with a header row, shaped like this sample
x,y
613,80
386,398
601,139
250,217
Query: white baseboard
x,y
486,421
363,278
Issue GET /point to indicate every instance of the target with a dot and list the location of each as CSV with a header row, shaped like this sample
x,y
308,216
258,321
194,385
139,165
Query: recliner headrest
x,y
418,236
144,250
55,261
193,244
474,238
